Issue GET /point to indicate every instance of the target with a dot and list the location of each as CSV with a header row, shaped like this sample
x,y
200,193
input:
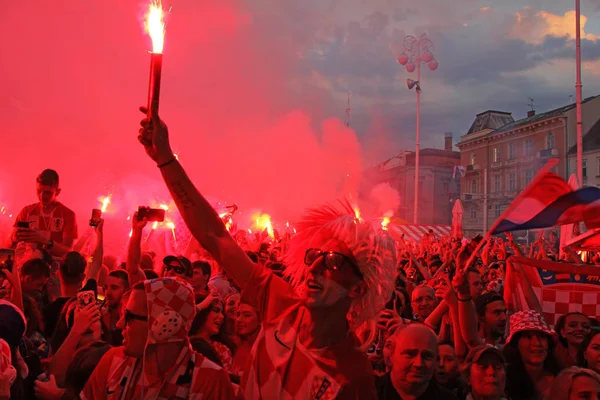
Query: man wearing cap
x,y
177,266
491,313
52,225
485,371
156,360
341,270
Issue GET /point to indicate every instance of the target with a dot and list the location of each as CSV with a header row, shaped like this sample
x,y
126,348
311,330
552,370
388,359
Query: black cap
x,y
182,261
484,299
48,177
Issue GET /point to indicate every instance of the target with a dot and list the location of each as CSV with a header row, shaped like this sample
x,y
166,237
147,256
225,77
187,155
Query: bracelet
x,y
465,300
167,163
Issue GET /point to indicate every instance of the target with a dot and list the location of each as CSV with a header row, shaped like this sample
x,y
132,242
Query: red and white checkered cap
x,y
529,320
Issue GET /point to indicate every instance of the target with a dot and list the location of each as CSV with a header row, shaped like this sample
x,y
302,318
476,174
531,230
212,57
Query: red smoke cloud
x,y
75,72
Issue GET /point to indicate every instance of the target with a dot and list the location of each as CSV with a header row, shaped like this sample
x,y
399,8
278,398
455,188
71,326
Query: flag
x,y
460,169
550,202
563,288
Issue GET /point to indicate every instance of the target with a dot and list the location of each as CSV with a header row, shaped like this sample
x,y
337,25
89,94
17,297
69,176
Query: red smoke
x,y
74,73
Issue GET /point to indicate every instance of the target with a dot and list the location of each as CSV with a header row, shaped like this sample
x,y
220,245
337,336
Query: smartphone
x,y
151,214
85,297
7,259
96,215
23,224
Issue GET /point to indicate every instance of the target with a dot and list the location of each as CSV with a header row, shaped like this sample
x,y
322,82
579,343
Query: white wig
x,y
372,247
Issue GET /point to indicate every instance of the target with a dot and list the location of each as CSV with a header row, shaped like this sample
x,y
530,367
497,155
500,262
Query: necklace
x,y
46,218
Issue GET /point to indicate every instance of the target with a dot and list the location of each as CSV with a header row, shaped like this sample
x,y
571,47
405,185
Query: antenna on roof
x,y
570,99
531,104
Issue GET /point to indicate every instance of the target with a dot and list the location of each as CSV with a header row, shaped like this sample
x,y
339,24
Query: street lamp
x,y
417,51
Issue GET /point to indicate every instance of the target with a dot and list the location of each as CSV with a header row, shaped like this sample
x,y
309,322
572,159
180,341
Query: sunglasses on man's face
x,y
178,270
332,260
129,316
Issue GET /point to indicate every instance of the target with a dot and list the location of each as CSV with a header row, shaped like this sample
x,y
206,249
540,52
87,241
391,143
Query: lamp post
x,y
578,94
415,52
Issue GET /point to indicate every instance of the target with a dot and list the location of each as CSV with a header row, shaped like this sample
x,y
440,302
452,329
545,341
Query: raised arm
x,y
134,251
199,216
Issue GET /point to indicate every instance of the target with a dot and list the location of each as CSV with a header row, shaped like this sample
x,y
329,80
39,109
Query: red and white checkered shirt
x,y
194,377
280,367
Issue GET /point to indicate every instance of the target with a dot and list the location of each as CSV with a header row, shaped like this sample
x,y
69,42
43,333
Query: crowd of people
x,y
341,310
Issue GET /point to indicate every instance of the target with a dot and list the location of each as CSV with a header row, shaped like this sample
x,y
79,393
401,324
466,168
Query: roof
x,y
490,120
590,141
521,122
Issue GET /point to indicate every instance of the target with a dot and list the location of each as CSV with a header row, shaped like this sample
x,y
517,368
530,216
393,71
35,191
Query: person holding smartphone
x,y
48,223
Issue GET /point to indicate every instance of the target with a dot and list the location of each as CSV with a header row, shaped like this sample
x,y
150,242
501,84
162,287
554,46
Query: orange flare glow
x,y
384,223
130,233
155,225
164,207
155,26
357,214
105,202
262,222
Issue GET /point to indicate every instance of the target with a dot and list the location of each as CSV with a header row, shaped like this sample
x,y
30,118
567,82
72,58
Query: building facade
x,y
501,156
591,157
437,187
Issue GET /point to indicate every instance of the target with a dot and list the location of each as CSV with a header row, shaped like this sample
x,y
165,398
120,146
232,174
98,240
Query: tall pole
x,y
416,199
415,52
578,93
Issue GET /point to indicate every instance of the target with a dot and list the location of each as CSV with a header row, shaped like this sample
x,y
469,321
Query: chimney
x,y
448,141
530,113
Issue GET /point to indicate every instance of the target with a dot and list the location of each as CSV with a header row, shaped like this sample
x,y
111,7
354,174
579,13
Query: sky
x,y
255,92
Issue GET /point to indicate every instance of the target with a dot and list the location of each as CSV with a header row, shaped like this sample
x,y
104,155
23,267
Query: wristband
x,y
166,163
465,300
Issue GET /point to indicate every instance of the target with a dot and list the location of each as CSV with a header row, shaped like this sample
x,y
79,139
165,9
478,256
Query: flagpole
x,y
545,169
578,94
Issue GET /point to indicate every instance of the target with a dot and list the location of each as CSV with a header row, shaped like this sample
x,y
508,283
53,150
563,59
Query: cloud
x,y
533,26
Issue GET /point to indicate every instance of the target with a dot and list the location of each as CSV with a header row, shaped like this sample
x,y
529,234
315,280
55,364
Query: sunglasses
x,y
129,316
333,260
178,270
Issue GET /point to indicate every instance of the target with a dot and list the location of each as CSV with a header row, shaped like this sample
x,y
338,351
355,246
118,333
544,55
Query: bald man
x,y
413,364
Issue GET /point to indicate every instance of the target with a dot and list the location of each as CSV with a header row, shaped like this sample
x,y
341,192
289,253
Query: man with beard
x,y
491,312
117,283
342,273
51,225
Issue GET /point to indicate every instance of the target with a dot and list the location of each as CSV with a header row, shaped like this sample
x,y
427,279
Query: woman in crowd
x,y
529,353
589,355
572,329
207,335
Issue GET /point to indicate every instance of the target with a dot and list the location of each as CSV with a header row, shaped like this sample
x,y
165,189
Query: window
x,y
497,210
473,186
496,154
528,176
550,140
512,182
584,168
473,158
512,151
528,147
497,183
473,213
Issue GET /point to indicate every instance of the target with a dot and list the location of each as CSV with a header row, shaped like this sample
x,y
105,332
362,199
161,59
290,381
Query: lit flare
x,y
105,202
155,26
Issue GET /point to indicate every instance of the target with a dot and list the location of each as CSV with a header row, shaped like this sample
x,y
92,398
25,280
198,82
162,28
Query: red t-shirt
x,y
281,367
61,223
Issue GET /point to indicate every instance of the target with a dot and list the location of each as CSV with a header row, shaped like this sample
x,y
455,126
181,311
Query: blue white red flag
x,y
550,202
